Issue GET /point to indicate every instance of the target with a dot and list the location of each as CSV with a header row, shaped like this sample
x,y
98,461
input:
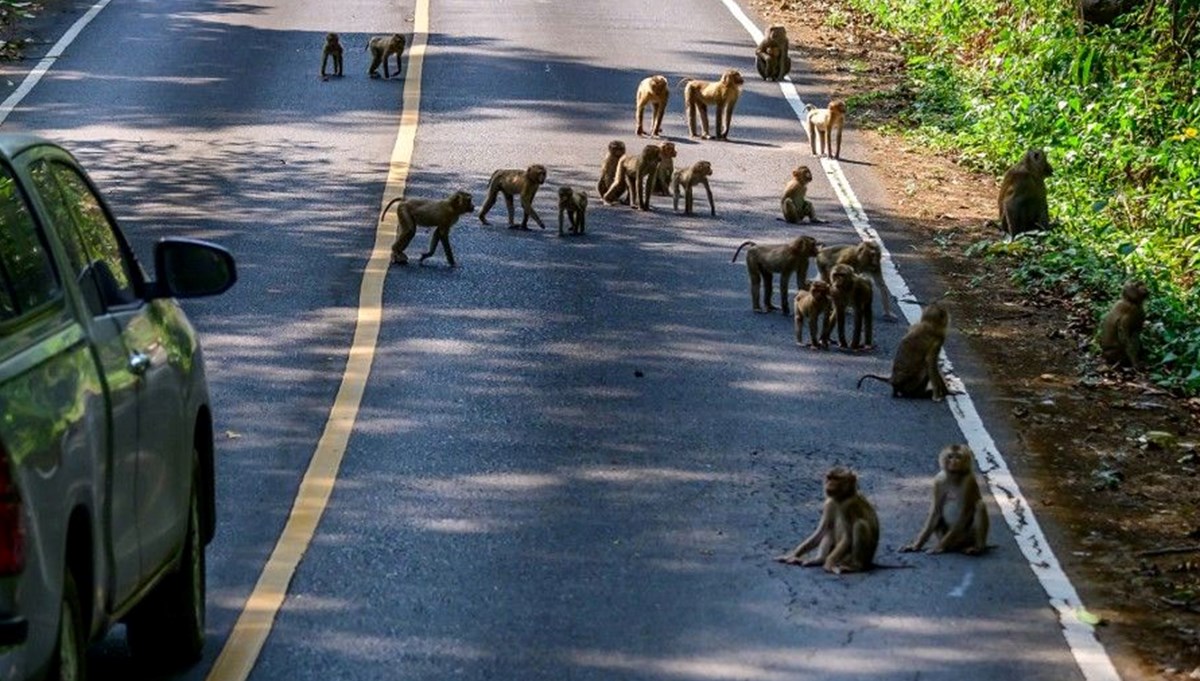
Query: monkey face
x,y
732,77
838,106
461,202
818,289
536,174
869,255
776,33
1035,160
802,174
667,150
616,147
840,483
1135,292
702,168
956,459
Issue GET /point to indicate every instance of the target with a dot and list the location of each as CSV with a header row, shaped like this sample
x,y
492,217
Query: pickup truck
x,y
106,435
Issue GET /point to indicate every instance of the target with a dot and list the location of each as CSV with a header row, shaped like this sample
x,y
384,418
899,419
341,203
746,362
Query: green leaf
x,y
1086,617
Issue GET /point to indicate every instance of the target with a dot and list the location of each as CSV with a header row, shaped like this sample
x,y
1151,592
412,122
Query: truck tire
x,y
69,661
167,629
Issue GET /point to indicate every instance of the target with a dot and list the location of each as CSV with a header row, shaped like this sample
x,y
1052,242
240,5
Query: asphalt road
x,y
576,457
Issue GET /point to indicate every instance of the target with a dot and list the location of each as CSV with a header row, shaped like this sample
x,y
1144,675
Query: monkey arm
x,y
935,374
884,295
813,539
936,506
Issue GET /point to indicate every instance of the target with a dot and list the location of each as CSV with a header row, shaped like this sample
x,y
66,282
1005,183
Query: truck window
x,y
104,274
27,278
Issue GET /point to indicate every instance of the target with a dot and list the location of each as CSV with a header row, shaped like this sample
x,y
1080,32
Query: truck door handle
x,y
138,363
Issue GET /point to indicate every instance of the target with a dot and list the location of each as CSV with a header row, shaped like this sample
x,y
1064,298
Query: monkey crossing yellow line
x,y
250,632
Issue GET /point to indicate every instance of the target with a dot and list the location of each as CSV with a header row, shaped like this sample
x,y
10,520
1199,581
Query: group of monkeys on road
x,y
381,47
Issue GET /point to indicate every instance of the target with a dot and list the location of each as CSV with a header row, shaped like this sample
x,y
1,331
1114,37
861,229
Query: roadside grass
x,y
1118,111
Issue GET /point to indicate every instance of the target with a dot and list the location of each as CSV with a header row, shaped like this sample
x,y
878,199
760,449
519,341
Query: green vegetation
x,y
1118,111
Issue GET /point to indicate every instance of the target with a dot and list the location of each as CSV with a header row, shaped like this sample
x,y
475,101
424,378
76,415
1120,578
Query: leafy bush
x,y
1118,112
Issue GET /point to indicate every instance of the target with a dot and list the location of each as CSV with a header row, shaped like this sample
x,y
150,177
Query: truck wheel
x,y
167,629
69,662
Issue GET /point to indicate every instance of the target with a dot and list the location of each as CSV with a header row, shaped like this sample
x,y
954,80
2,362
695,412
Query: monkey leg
x,y
687,201
376,58
721,121
785,63
529,212
702,111
487,205
404,236
768,287
812,137
640,116
442,236
760,63
784,276
755,282
657,118
512,214
979,526
562,210
790,214
337,66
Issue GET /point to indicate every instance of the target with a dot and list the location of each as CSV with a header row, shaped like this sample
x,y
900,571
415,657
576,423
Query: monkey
x,y
653,91
382,47
812,304
636,170
763,261
866,258
332,49
915,366
771,58
724,93
574,204
687,179
1121,327
666,168
1022,198
441,215
608,168
822,123
966,527
849,290
847,534
794,205
513,181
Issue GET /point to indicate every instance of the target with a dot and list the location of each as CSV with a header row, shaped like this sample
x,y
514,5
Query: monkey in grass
x,y
608,167
866,257
1022,198
332,50
822,123
958,516
786,259
771,58
723,94
1121,329
847,534
441,215
915,366
654,92
812,305
794,204
574,205
381,47
849,291
513,182
687,179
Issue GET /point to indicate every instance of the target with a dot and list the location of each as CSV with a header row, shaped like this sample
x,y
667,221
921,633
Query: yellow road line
x,y
250,632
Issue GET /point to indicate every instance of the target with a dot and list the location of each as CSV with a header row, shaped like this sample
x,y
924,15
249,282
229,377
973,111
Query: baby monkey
x,y
794,203
574,205
687,179
957,513
847,534
381,47
812,304
332,49
821,125
1121,328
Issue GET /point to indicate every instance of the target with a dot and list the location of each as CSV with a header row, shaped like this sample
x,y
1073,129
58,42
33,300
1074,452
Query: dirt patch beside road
x,y
1108,491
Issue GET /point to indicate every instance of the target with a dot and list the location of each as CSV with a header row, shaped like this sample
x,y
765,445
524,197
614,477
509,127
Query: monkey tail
x,y
388,207
683,81
739,249
809,107
877,377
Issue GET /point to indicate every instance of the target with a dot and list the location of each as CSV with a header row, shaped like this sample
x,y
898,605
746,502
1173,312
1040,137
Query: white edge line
x,y
1089,654
44,65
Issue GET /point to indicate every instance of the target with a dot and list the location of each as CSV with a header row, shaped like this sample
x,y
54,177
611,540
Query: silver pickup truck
x,y
106,436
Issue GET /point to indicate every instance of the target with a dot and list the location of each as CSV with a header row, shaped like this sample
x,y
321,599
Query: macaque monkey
x,y
666,168
821,125
847,534
511,182
957,513
608,168
1022,199
771,58
574,204
794,205
866,258
653,91
441,215
699,94
763,261
332,50
687,179
849,290
915,366
812,304
382,47
635,173
1121,327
